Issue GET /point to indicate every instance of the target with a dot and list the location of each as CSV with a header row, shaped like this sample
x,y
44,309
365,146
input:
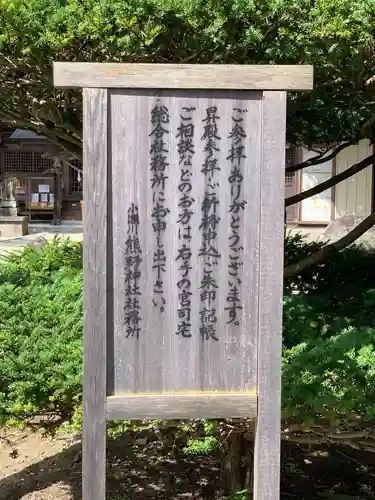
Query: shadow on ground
x,y
151,472
133,472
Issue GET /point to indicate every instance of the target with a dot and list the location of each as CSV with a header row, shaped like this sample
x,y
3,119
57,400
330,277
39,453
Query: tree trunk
x,y
285,223
323,253
237,463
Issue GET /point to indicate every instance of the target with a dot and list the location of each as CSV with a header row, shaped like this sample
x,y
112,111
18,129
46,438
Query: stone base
x,y
13,227
9,208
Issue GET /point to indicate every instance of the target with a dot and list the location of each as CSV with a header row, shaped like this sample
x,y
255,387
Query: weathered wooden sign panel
x,y
185,174
184,220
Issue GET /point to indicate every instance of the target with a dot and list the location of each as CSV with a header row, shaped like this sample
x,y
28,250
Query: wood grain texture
x,y
95,292
159,360
267,440
182,406
183,76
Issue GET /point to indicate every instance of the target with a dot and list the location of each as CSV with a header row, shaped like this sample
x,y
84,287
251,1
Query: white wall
x,y
353,196
318,208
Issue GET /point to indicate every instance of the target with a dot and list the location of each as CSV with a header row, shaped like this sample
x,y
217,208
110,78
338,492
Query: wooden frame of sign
x,y
183,248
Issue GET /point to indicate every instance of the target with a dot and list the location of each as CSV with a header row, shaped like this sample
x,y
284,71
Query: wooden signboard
x,y
183,236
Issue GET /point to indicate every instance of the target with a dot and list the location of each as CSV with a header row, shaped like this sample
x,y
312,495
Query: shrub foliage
x,y
41,332
328,336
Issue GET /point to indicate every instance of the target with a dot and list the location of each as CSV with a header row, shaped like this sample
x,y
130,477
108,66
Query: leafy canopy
x,y
336,36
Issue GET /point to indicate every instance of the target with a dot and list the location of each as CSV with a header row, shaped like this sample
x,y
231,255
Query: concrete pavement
x,y
41,232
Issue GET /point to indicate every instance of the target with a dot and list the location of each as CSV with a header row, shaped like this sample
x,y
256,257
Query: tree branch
x,y
62,140
354,169
322,254
79,170
320,158
55,134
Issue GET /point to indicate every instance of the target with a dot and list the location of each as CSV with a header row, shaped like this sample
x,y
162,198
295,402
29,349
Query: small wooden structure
x,y
183,233
44,192
41,196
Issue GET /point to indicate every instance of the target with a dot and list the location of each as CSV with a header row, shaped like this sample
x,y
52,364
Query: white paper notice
x,y
43,188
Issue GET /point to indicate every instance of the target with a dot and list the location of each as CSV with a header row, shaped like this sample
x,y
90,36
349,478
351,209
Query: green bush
x,y
239,495
328,337
203,446
329,359
41,332
344,276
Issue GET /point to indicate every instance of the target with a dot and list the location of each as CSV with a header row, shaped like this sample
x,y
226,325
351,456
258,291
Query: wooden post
x,y
57,191
267,437
95,293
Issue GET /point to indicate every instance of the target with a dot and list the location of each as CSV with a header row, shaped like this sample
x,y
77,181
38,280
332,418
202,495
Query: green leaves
x,y
334,35
328,338
203,446
41,332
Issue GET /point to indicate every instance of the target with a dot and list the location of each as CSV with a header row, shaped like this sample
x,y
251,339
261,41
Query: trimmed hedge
x,y
41,323
329,335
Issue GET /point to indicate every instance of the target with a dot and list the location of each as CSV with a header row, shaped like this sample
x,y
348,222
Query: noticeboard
x,y
183,235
